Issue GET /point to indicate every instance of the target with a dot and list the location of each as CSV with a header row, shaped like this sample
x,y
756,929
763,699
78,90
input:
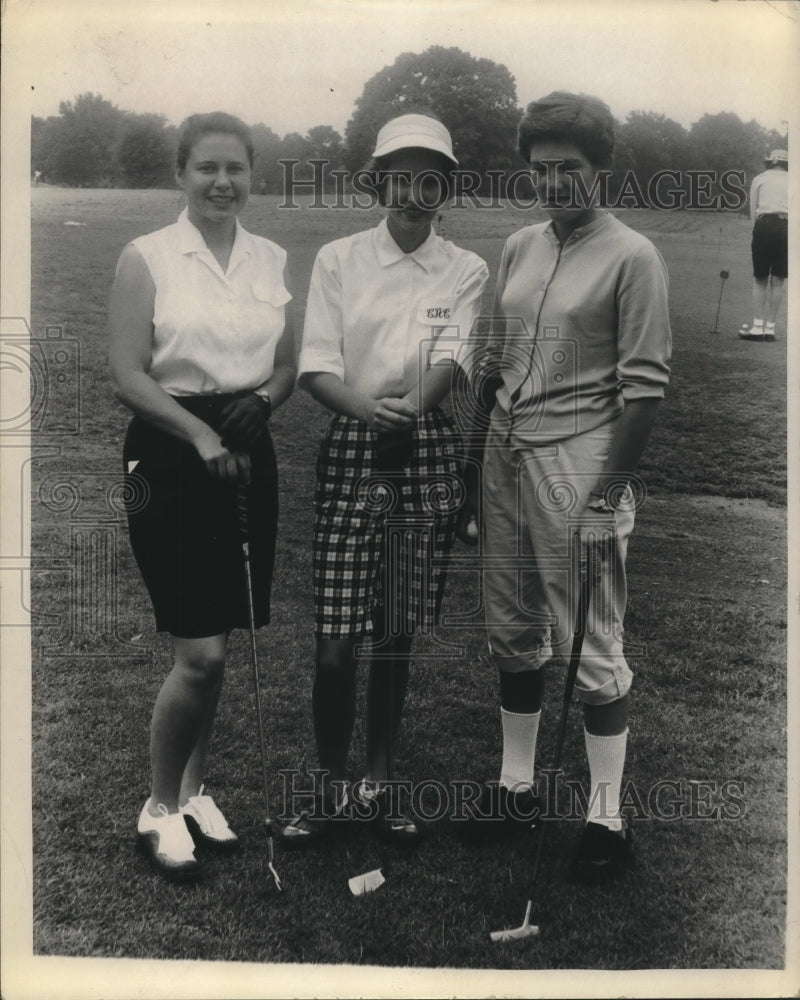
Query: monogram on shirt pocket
x,y
265,291
437,312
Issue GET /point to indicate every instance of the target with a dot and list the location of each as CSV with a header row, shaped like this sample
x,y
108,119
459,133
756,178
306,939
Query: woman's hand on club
x,y
244,422
597,527
219,461
391,414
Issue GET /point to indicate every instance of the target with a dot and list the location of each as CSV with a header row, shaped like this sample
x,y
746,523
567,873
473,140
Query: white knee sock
x,y
519,748
606,756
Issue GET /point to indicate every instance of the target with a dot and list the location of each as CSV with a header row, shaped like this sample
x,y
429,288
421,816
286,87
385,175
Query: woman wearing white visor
x,y
387,310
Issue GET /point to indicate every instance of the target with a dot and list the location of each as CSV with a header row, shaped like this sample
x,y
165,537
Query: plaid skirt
x,y
382,535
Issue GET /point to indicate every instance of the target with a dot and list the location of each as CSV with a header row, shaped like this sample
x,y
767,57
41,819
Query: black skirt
x,y
184,528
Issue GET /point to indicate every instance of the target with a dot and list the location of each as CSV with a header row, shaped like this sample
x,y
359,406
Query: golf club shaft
x,y
719,303
254,655
241,507
587,586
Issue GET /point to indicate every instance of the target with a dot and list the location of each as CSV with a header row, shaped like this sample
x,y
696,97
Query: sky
x,y
293,65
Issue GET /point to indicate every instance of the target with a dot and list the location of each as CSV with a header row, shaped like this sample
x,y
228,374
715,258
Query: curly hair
x,y
585,121
195,127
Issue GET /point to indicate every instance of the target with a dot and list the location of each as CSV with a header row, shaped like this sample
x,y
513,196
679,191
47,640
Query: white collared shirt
x,y
213,331
378,317
769,193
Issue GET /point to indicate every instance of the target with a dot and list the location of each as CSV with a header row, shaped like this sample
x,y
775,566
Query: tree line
x,y
92,143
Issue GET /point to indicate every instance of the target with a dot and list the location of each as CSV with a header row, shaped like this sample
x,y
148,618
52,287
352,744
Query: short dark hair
x,y
585,121
215,122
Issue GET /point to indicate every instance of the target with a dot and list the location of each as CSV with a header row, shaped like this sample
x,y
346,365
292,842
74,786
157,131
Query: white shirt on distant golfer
x,y
378,317
215,331
769,194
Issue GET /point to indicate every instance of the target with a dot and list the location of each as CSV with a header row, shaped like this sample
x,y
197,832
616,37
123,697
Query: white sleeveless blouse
x,y
214,331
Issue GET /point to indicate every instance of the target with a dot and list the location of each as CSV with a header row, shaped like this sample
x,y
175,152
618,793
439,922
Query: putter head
x,y
525,929
360,885
515,933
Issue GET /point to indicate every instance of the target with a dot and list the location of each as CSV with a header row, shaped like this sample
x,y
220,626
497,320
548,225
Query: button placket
x,y
409,347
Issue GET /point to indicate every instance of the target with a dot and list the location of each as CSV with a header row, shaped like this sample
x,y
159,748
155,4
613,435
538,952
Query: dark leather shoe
x,y
602,853
498,812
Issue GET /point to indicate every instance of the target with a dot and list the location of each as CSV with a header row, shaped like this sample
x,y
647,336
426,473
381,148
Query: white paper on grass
x,y
368,882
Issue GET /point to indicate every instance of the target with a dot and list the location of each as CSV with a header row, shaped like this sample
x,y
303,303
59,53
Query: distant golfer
x,y
769,211
385,310
202,353
572,375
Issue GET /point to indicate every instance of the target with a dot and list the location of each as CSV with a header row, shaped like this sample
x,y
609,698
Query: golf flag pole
x,y
241,511
723,275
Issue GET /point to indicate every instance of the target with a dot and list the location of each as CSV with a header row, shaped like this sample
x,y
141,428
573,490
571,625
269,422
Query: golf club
x,y
593,569
241,511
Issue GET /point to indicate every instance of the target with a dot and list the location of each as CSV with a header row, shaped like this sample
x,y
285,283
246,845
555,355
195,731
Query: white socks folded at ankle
x,y
519,748
606,756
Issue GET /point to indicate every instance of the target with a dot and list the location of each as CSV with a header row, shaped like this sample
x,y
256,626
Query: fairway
x,y
706,634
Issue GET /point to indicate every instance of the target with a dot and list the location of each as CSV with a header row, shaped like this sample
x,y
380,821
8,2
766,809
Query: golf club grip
x,y
242,495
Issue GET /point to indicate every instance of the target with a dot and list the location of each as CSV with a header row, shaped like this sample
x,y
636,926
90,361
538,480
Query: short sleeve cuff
x,y
311,361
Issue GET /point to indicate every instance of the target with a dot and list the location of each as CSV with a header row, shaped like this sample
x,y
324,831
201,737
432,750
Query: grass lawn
x,y
706,630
